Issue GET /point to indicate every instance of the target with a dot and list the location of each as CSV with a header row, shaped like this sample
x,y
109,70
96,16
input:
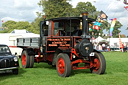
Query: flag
x,y
120,43
97,23
125,1
96,27
112,26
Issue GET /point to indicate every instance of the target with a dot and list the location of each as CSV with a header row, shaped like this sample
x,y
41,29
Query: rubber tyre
x,y
67,65
25,59
15,71
31,61
102,62
54,60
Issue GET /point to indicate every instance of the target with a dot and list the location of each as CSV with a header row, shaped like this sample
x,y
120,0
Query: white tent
x,y
114,42
98,39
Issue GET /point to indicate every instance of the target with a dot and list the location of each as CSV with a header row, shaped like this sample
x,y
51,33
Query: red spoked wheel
x,y
25,59
97,63
63,65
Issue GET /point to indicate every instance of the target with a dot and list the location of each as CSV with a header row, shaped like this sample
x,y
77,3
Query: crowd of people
x,y
101,47
105,47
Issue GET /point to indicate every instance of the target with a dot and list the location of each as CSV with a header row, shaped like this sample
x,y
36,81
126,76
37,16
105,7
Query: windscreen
x,y
66,27
4,50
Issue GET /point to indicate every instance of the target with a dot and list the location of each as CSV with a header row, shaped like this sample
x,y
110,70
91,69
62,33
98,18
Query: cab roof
x,y
3,45
69,18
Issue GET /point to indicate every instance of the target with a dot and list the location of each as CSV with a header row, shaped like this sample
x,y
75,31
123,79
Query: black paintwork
x,y
68,18
7,59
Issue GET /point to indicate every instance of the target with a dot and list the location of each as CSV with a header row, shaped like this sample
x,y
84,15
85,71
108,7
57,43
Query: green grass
x,y
44,74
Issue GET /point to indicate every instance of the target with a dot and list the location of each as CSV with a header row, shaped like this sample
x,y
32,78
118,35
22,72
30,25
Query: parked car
x,y
7,60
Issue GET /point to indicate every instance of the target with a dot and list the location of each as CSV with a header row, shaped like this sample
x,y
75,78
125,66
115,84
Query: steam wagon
x,y
64,43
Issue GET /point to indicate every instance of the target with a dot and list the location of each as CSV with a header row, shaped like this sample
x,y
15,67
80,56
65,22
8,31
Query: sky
x,y
25,10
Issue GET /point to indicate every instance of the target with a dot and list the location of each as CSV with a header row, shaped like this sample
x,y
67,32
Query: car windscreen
x,y
4,50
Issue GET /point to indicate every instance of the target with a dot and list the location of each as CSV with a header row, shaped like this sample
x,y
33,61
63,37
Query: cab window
x,y
49,28
58,26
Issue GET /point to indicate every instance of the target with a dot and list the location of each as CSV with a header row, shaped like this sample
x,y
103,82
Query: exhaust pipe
x,y
84,24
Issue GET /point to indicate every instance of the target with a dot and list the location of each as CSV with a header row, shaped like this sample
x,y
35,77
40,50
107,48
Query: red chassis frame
x,y
49,56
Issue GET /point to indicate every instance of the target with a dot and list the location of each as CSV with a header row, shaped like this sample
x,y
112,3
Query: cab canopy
x,y
65,26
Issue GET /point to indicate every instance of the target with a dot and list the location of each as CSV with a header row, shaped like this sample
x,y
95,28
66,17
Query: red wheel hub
x,y
61,65
24,60
96,64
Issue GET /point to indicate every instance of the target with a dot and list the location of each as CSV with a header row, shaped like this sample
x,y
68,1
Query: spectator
x,y
103,45
127,46
100,47
108,48
122,49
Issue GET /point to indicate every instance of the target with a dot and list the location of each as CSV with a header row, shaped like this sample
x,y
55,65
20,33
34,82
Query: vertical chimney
x,y
84,24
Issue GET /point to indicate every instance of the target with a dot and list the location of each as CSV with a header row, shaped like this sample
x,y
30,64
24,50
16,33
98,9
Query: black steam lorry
x,y
64,43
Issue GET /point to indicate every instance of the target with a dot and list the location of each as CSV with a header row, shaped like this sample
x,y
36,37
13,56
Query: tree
x,y
25,25
123,36
8,23
22,25
116,30
56,8
36,25
105,26
85,7
11,25
127,28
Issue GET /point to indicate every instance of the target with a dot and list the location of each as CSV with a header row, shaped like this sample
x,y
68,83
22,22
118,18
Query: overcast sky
x,y
25,10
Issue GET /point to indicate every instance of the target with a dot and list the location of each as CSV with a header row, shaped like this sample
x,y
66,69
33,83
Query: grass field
x,y
44,74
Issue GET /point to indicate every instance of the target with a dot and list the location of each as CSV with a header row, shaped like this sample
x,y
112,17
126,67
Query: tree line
x,y
60,8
